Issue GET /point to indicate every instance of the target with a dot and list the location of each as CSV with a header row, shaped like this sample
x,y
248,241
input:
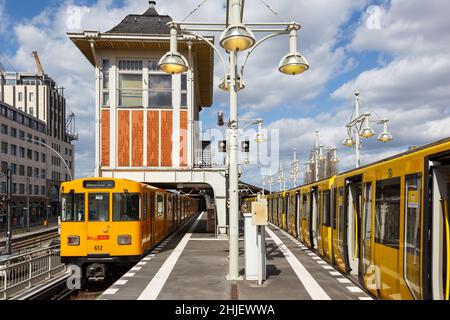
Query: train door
x,y
297,214
325,228
99,218
306,212
368,273
340,223
353,206
286,213
315,218
144,222
151,204
278,201
440,242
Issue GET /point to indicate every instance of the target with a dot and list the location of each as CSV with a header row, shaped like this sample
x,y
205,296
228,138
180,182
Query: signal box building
x,y
147,121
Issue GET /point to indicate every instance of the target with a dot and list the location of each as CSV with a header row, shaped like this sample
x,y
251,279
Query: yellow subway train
x,y
386,224
112,222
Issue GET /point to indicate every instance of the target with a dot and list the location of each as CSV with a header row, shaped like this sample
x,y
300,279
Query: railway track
x,y
56,288
24,242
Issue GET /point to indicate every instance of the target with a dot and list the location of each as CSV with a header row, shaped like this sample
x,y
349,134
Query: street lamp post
x,y
359,127
7,201
295,170
236,37
56,152
318,155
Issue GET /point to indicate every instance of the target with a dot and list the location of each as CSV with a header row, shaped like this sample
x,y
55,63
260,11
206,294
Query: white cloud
x,y
411,88
3,17
46,33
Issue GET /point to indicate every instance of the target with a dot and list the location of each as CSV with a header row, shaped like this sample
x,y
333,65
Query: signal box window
x,y
72,207
126,207
387,212
160,91
98,207
130,91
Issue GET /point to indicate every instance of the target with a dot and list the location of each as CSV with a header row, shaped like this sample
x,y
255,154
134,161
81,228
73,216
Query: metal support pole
x,y
28,204
357,137
259,231
234,174
316,155
8,211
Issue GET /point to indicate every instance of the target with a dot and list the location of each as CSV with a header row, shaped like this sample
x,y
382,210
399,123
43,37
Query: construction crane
x,y
70,128
39,67
2,82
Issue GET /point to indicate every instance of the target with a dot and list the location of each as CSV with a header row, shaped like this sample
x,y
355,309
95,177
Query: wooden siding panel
x,y
183,138
166,138
137,147
124,138
153,138
105,157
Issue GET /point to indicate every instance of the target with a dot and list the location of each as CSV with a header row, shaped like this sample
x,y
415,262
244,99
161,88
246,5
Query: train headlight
x,y
124,240
73,241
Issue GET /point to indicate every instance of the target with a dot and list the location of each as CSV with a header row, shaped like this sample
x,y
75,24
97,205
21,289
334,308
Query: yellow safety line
x,y
356,231
447,232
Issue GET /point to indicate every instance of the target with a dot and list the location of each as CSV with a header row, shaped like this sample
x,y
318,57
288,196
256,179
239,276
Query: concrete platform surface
x,y
192,265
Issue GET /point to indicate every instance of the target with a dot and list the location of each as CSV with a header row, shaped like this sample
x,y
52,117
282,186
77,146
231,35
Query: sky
x,y
394,52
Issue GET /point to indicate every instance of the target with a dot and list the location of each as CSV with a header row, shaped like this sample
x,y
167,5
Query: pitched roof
x,y
148,23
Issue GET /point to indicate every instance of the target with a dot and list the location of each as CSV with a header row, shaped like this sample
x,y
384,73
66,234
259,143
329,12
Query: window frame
x,y
89,206
380,235
63,213
124,195
159,90
419,181
120,72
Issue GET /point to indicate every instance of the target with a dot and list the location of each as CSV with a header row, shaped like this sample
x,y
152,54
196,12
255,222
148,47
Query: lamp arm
x,y
256,45
57,153
212,46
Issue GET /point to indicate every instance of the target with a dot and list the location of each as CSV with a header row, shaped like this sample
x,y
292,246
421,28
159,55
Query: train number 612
x,y
98,248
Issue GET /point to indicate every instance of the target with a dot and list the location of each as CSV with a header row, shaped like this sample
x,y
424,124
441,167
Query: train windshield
x,y
126,207
98,207
72,207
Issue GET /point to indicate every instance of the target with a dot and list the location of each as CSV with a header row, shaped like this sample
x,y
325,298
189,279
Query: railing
x,y
21,272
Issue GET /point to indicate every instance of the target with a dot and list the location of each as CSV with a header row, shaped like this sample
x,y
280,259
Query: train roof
x,y
399,155
148,186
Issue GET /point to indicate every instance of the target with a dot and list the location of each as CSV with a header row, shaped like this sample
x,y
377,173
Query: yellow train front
x,y
113,222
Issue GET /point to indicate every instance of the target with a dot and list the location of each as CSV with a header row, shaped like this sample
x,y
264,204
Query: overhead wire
x,y
193,11
272,10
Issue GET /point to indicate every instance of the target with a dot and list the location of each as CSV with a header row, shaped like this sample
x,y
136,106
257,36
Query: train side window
x,y
340,221
387,212
305,207
413,196
126,207
152,204
72,207
326,208
98,207
333,208
145,206
160,205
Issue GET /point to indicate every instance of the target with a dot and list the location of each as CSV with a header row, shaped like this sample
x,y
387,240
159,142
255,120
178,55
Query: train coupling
x,y
96,272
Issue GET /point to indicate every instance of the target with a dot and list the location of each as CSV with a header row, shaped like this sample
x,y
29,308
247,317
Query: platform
x,y
192,265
